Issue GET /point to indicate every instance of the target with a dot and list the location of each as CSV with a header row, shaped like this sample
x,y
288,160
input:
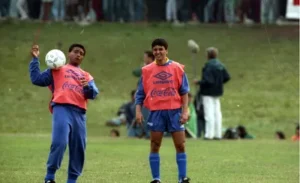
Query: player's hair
x,y
190,94
160,42
116,132
242,131
280,134
150,54
212,52
78,46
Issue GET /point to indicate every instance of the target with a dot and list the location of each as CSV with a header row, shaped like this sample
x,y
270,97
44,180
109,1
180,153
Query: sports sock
x,y
181,163
154,165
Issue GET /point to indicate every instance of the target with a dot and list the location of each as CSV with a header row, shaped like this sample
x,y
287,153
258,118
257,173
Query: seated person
x,y
242,133
120,119
122,116
135,130
130,117
230,134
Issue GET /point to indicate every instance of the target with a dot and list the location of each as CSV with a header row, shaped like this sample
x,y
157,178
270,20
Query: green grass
x,y
110,161
263,63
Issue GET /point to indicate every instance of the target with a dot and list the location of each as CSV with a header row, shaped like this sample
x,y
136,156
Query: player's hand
x,y
184,117
84,82
35,51
139,117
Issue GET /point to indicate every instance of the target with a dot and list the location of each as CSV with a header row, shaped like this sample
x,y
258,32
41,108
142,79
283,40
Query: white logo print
x,y
150,124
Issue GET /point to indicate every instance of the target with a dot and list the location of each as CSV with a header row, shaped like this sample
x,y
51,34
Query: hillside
x,y
263,62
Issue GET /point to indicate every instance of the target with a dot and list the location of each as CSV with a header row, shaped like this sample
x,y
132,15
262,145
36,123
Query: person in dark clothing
x,y
34,8
280,135
200,114
243,133
214,76
4,8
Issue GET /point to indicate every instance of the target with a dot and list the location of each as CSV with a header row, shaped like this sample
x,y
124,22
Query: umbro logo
x,y
163,75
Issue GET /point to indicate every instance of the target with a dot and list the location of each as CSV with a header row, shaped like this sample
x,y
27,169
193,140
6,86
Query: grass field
x,y
263,63
121,160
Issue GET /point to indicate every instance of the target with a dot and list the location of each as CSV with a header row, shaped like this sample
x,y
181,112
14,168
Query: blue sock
x,y
154,164
50,174
71,181
181,163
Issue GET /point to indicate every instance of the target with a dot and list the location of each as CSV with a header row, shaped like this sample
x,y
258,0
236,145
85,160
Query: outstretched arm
x,y
37,77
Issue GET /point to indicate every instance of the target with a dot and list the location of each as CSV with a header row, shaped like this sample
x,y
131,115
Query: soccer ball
x,y
55,59
193,46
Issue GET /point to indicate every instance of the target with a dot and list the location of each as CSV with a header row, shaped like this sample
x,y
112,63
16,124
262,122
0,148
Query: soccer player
x,y
71,88
163,89
148,59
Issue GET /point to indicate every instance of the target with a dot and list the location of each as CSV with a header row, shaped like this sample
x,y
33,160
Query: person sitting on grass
x,y
242,133
280,135
120,119
125,115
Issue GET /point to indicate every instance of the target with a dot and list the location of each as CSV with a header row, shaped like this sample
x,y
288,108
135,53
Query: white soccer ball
x,y
55,59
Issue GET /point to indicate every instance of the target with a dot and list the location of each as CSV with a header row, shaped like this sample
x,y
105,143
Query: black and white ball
x,y
55,59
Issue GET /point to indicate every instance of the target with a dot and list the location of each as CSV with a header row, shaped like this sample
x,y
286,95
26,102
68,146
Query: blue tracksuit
x,y
163,120
68,127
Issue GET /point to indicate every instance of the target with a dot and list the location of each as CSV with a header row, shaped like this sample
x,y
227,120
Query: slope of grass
x,y
263,63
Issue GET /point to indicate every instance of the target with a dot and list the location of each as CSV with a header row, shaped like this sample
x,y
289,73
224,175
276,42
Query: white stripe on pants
x,y
213,117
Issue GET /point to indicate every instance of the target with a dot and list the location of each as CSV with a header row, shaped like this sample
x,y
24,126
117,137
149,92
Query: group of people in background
x,y
205,116
176,11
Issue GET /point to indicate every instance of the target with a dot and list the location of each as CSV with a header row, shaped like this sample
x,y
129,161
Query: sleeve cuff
x,y
34,59
183,93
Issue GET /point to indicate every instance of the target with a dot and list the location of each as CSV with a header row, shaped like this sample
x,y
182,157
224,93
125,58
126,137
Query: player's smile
x,y
158,56
159,52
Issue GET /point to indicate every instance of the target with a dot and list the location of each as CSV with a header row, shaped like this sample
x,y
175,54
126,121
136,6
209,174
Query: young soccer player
x,y
163,89
71,88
